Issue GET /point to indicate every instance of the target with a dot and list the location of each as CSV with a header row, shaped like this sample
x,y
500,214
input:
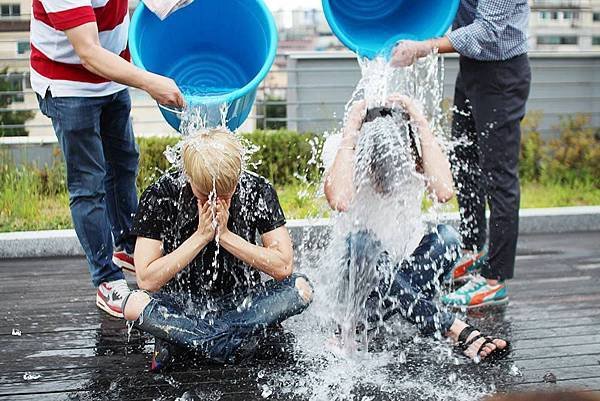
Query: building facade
x,y
564,25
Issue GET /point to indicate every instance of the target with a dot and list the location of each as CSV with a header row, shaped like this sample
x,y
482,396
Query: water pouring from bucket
x,y
217,52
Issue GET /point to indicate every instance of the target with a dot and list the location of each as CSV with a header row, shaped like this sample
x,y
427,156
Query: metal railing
x,y
308,91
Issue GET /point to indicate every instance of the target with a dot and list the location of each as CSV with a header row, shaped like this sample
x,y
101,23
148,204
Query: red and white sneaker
x,y
110,297
124,260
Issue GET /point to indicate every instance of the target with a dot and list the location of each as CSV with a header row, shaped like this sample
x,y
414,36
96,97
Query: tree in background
x,y
12,83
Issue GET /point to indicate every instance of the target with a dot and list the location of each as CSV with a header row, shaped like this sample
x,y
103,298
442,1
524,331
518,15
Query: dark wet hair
x,y
383,163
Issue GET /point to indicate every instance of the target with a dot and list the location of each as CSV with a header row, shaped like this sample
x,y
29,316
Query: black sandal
x,y
464,345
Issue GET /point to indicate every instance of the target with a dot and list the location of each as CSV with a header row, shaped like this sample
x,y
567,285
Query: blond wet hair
x,y
213,160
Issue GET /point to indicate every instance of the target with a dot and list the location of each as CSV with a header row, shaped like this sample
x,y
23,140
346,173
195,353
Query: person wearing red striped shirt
x,y
80,71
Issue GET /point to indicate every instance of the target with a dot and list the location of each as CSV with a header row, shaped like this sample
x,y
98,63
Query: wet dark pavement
x,y
69,350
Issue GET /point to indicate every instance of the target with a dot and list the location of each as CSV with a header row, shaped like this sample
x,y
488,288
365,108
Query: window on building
x,y
15,84
596,40
23,47
556,40
554,15
544,15
597,17
10,10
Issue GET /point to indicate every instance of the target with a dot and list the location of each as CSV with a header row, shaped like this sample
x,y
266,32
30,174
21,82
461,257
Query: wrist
x,y
201,239
225,237
145,81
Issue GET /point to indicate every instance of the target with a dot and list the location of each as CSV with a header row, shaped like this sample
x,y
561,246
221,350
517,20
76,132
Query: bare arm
x,y
154,270
339,179
443,45
100,61
436,166
274,258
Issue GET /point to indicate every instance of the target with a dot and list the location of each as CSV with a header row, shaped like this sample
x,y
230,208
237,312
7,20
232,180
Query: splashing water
x,y
394,360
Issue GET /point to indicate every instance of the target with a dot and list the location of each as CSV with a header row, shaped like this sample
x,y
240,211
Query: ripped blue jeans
x,y
409,287
217,330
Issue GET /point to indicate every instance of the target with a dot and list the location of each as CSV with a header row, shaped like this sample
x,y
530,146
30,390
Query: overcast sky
x,y
291,4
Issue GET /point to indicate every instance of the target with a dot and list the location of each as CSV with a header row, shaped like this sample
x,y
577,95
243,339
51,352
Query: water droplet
x,y
31,376
266,391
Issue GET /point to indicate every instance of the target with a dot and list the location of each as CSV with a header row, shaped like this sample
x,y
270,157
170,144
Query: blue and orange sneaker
x,y
476,293
469,264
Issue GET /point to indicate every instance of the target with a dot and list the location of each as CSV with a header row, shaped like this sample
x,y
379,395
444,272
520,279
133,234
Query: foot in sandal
x,y
475,345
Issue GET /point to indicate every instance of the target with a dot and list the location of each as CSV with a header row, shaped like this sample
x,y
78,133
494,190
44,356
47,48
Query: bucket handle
x,y
170,109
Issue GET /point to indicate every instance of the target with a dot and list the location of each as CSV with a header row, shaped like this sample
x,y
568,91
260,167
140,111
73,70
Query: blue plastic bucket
x,y
372,27
216,51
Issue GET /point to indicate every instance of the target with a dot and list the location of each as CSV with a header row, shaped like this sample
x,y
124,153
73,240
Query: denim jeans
x,y
101,157
230,322
408,287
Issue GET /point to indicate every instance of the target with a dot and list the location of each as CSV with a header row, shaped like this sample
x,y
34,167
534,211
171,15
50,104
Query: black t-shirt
x,y
168,212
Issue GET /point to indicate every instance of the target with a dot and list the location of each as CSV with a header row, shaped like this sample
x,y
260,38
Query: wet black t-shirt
x,y
168,212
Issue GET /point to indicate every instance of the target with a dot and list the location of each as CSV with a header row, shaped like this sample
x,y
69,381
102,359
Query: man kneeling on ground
x,y
197,260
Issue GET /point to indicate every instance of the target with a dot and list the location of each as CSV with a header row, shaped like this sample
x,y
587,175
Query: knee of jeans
x,y
304,287
362,241
86,186
449,237
134,304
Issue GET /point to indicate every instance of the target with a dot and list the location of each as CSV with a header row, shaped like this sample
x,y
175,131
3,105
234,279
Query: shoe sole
x,y
124,265
104,307
502,301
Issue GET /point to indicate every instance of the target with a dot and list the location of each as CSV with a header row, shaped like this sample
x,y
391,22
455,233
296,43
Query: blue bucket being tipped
x,y
372,27
216,51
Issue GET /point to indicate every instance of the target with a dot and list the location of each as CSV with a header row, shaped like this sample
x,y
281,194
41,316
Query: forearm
x,y
436,166
443,45
162,270
339,186
113,67
267,260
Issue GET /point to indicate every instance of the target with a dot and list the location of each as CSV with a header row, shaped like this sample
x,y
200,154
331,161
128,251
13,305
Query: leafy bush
x,y
285,157
530,166
573,157
153,162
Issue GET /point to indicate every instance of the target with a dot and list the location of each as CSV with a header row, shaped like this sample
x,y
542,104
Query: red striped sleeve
x,y
63,71
111,15
107,17
72,18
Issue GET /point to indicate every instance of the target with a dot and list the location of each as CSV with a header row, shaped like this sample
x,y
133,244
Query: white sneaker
x,y
110,297
124,260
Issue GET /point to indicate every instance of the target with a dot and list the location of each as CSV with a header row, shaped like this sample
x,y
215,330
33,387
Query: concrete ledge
x,y
307,234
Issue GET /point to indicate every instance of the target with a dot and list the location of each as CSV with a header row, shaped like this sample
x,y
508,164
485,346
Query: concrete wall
x,y
321,83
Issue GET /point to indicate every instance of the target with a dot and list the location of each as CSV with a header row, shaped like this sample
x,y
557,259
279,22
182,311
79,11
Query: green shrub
x,y
285,157
530,166
153,162
575,155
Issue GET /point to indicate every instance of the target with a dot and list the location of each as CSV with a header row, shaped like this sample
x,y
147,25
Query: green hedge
x,y
287,157
284,157
573,157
